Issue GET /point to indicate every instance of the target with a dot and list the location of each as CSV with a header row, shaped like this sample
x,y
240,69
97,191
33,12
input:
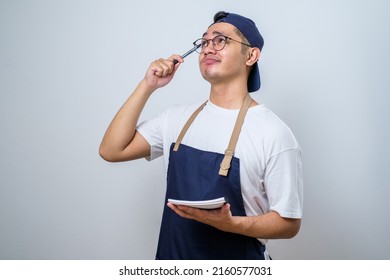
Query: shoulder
x,y
177,114
171,118
174,112
275,133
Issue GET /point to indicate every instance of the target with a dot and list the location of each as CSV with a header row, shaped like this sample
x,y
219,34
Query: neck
x,y
227,97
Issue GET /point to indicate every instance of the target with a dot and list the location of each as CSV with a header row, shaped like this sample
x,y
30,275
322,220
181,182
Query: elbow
x,y
106,154
293,228
103,154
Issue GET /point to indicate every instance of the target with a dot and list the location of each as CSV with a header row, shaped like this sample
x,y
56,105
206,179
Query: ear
x,y
254,56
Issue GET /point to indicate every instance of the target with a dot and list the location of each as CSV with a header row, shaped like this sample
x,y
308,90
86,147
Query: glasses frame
x,y
199,46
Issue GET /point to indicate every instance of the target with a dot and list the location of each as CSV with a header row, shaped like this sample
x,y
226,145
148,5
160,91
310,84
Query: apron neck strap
x,y
229,152
187,125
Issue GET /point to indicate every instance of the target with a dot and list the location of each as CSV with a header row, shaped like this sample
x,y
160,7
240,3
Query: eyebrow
x,y
214,33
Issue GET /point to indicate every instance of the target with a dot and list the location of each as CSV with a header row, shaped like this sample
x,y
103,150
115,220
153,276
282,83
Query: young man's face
x,y
228,64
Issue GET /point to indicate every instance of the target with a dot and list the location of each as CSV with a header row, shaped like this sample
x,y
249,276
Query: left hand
x,y
221,218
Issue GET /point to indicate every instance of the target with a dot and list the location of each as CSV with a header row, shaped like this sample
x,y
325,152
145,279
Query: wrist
x,y
235,225
145,87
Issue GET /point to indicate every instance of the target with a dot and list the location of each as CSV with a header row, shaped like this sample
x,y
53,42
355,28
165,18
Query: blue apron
x,y
194,174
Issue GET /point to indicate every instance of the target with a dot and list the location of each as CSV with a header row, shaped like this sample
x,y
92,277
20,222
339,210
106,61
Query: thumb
x,y
225,209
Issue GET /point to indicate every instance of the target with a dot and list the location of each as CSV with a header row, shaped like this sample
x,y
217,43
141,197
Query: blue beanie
x,y
249,30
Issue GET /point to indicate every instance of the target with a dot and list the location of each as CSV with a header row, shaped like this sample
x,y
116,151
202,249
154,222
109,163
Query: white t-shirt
x,y
270,157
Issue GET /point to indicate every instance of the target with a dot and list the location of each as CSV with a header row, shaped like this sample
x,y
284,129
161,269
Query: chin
x,y
209,75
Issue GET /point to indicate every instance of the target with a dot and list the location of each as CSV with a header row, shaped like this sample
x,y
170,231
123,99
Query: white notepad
x,y
202,204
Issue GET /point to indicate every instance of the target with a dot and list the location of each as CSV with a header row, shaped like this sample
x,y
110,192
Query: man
x,y
230,146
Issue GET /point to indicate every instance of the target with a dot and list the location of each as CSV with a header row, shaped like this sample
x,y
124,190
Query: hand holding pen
x,y
187,53
161,72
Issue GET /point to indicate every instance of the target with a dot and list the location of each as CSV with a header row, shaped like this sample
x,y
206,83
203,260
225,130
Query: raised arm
x,y
122,142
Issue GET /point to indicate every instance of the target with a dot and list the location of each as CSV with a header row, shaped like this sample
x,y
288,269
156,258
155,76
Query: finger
x,y
169,67
156,68
225,209
194,212
179,211
165,68
160,68
176,59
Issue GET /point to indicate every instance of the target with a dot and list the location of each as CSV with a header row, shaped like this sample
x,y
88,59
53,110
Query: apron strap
x,y
229,152
187,125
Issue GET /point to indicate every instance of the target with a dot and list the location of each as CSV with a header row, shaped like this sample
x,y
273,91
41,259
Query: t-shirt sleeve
x,y
283,182
151,130
162,130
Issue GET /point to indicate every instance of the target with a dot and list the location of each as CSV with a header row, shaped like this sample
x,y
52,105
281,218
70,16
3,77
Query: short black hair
x,y
220,15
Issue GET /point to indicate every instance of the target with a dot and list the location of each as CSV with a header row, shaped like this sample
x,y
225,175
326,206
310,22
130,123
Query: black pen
x,y
187,53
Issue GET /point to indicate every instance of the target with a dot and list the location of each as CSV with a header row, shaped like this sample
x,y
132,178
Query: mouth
x,y
208,60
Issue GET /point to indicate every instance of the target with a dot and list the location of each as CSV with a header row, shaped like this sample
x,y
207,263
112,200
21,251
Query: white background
x,y
67,66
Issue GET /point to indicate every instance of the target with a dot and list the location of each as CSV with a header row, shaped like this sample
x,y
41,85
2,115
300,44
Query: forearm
x,y
122,128
268,226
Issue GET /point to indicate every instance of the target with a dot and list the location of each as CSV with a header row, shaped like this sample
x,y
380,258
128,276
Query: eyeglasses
x,y
218,43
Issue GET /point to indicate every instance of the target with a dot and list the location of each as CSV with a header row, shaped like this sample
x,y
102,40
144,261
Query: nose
x,y
209,48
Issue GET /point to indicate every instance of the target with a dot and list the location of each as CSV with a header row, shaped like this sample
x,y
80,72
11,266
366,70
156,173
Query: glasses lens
x,y
200,44
219,42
